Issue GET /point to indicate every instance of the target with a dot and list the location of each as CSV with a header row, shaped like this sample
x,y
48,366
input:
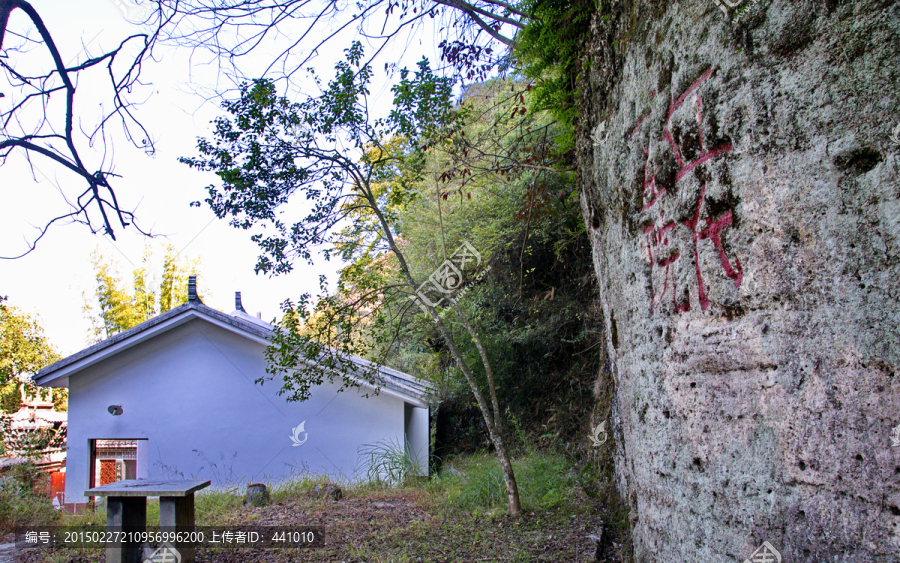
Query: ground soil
x,y
395,526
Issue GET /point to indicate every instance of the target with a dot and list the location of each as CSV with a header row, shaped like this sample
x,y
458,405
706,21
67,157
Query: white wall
x,y
417,437
191,393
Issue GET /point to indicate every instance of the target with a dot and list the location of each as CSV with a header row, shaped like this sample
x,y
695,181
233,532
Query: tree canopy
x,y
159,284
24,350
247,39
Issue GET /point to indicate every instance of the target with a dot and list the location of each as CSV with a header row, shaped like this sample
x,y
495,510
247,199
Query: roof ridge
x,y
405,383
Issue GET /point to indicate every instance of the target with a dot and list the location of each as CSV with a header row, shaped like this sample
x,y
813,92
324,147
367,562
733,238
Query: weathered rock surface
x,y
257,494
327,490
741,190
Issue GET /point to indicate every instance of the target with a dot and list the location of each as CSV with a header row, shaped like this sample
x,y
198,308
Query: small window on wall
x,y
116,460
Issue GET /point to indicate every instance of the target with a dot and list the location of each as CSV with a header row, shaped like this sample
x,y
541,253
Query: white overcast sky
x,y
50,281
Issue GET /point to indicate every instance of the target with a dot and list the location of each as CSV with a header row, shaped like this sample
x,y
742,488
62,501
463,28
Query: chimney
x,y
192,290
237,302
259,315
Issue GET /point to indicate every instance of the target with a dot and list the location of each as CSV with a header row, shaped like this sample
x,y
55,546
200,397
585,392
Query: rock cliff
x,y
740,184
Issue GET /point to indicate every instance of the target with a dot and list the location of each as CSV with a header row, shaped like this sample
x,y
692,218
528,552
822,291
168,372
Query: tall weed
x,y
390,463
476,482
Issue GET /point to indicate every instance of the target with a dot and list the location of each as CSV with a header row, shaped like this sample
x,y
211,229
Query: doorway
x,y
115,460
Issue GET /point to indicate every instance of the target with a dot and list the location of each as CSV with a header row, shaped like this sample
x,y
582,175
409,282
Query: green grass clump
x,y
294,488
476,483
211,506
390,463
545,482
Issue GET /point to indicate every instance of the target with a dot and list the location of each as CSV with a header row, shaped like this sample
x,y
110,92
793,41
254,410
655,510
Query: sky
x,y
52,280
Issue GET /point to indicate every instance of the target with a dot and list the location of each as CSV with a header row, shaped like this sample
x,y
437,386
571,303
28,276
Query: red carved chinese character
x,y
658,237
667,132
650,182
712,230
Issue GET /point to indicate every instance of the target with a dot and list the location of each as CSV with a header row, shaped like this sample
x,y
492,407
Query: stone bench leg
x,y
177,514
125,514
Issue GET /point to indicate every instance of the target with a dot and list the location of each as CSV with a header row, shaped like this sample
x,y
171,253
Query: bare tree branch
x,y
57,142
233,29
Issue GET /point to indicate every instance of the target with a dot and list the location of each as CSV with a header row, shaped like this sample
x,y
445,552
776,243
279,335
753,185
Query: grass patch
x,y
212,506
456,516
390,463
293,489
475,483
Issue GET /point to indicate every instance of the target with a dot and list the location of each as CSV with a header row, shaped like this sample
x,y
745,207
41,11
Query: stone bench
x,y
126,509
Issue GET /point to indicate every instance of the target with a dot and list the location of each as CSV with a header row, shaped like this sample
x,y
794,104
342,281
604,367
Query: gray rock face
x,y
740,185
327,490
257,494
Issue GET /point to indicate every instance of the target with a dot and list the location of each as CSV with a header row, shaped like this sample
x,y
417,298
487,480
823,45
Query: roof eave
x,y
52,374
57,374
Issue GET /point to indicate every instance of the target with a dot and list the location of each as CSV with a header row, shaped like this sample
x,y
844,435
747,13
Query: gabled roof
x,y
402,385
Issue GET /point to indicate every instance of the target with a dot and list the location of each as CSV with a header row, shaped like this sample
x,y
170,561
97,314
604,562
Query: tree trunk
x,y
514,506
492,417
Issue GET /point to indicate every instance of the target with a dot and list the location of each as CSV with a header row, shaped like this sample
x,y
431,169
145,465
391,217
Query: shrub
x,y
20,505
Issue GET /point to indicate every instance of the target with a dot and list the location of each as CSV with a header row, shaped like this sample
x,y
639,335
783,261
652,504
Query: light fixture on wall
x,y
115,410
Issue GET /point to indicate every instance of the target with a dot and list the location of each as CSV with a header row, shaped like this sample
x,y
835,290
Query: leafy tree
x,y
550,49
498,183
24,350
156,288
500,148
330,151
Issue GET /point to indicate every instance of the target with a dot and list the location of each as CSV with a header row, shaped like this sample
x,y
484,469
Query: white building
x,y
184,385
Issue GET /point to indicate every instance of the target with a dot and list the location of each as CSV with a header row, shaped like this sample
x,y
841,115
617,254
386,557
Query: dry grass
x,y
419,523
